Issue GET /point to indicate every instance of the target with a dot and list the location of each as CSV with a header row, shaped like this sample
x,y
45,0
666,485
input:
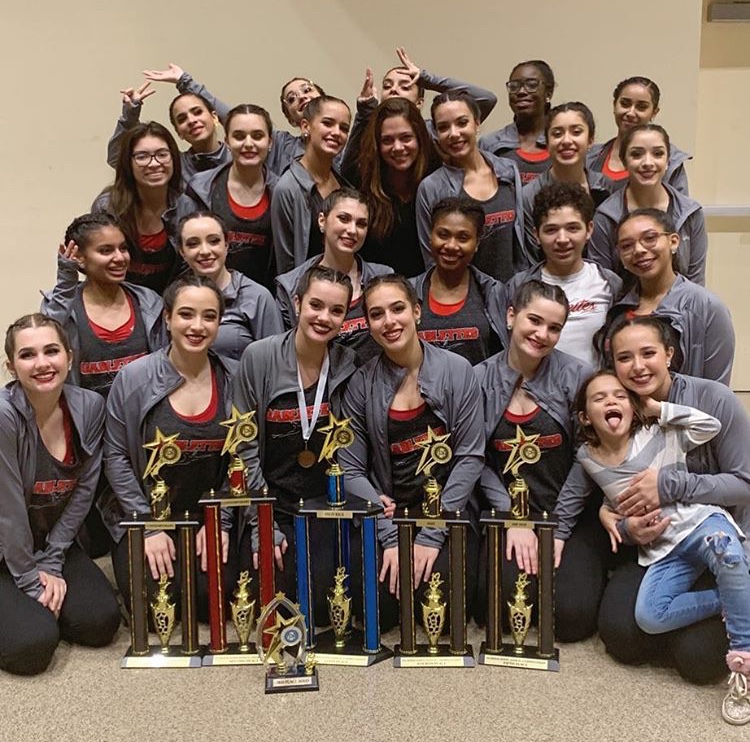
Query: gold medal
x,y
306,458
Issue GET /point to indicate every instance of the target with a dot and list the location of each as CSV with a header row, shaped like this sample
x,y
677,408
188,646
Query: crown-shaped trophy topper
x,y
338,435
435,451
241,428
164,452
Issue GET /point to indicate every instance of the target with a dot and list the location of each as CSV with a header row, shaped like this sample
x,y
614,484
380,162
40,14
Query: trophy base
x,y
295,680
351,654
233,656
528,660
156,659
424,658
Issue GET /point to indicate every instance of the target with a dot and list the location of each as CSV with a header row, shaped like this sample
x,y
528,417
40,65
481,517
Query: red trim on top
x,y
210,412
354,303
70,449
153,242
123,332
445,310
250,213
512,417
537,155
405,415
613,174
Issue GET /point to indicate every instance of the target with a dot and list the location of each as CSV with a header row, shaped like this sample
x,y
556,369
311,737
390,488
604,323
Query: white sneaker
x,y
735,709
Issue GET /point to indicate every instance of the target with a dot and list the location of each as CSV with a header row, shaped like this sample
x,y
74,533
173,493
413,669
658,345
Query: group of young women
x,y
435,301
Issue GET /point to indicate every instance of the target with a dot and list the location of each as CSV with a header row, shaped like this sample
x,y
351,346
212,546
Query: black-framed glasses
x,y
529,84
162,156
647,240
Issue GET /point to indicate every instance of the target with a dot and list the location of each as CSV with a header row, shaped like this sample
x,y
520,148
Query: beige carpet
x,y
85,696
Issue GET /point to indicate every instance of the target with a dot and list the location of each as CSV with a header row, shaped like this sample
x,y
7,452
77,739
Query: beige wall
x,y
64,63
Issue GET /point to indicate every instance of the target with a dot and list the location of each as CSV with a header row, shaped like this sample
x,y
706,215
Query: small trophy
x,y
545,656
289,667
435,451
163,614
408,653
241,428
344,645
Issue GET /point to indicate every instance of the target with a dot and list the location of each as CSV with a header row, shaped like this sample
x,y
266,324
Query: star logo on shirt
x,y
523,450
338,435
241,428
164,452
435,450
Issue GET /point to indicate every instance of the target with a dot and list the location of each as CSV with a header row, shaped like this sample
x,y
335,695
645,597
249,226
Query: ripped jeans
x,y
665,601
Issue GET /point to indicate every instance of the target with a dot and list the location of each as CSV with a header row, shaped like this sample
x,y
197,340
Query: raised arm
x,y
132,102
58,303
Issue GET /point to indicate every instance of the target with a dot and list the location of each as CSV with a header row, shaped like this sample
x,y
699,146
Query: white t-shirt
x,y
590,297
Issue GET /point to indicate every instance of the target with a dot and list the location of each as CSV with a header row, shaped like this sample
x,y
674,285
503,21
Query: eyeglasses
x,y
291,97
162,156
647,240
530,84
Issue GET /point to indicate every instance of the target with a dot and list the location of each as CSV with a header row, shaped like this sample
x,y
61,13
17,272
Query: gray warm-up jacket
x,y
447,384
137,388
703,322
286,284
553,387
448,181
689,223
19,435
60,305
506,140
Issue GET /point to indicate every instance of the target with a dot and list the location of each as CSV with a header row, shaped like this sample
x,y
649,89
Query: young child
x,y
617,446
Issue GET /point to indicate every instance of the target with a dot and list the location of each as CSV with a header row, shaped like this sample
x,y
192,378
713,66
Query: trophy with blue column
x,y
343,645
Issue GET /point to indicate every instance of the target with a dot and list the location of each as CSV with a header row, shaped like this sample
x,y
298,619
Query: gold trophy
x,y
241,429
289,667
435,451
163,613
519,613
339,607
433,613
164,452
524,450
243,611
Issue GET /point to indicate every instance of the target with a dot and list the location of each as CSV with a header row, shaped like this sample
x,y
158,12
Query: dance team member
x,y
143,197
460,305
50,456
292,381
181,390
718,473
645,151
703,337
109,321
562,217
530,89
344,222
298,196
528,393
492,181
250,312
394,401
636,102
239,193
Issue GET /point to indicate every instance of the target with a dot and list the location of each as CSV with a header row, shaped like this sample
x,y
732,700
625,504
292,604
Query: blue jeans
x,y
664,600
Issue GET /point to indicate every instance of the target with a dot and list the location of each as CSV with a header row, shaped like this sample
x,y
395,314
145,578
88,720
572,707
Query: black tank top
x,y
530,164
152,261
355,333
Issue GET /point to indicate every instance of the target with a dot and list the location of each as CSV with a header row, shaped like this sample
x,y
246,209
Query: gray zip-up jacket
x,y
18,452
448,181
291,216
268,369
138,387
675,175
718,472
553,387
689,223
600,189
506,140
447,384
286,284
491,291
703,322
60,305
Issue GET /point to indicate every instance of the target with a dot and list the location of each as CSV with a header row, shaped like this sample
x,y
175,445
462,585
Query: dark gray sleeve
x,y
571,500
486,99
129,118
601,247
285,305
423,211
718,344
696,228
186,84
349,169
266,320
58,303
282,225
679,180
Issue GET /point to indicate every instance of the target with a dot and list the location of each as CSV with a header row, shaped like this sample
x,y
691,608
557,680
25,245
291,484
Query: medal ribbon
x,y
308,425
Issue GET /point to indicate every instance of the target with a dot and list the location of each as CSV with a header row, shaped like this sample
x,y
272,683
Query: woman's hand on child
x,y
641,495
643,529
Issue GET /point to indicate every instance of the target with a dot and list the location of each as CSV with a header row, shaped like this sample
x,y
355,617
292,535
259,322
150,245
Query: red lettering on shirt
x,y
449,335
528,177
54,487
206,445
543,441
110,365
292,415
584,305
499,217
246,239
410,444
351,326
147,269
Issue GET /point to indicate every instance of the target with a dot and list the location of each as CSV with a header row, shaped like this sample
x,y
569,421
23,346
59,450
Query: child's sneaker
x,y
735,709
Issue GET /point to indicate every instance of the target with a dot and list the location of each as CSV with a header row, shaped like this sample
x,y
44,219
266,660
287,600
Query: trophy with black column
x,y
544,656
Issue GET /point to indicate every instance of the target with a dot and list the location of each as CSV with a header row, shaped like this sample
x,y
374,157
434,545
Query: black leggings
x,y
697,651
29,632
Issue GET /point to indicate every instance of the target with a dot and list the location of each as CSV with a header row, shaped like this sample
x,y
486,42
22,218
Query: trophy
x,y
282,648
435,451
545,656
164,452
241,428
344,645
